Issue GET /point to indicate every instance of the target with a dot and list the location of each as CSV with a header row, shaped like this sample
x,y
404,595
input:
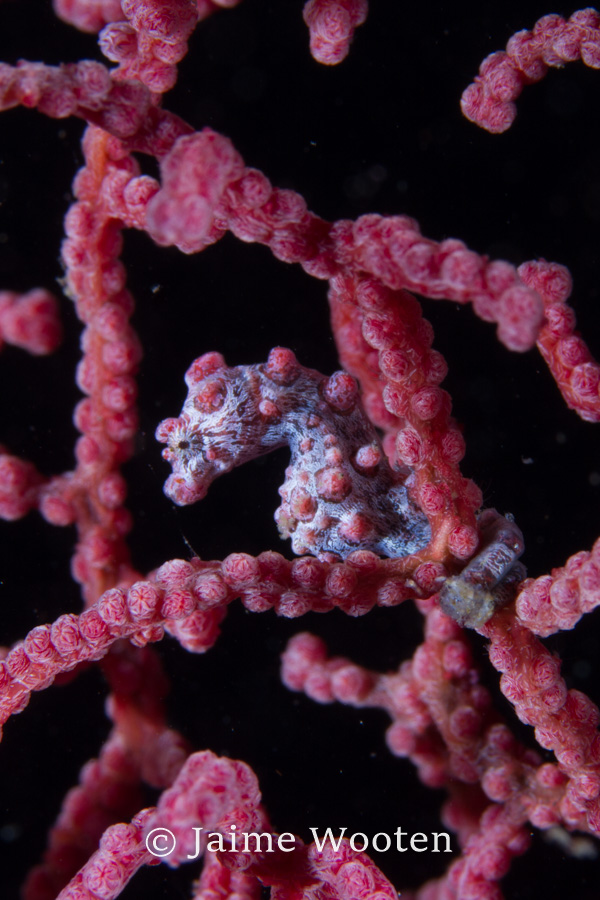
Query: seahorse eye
x,y
183,445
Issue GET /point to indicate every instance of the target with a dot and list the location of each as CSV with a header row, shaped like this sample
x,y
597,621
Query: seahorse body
x,y
340,493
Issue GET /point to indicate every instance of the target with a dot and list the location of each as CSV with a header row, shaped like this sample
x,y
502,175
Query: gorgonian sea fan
x,y
341,148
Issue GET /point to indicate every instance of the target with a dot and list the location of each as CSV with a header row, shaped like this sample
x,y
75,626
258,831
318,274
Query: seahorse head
x,y
217,430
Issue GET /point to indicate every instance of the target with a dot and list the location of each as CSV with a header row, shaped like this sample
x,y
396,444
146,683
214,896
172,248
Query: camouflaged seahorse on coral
x,y
340,494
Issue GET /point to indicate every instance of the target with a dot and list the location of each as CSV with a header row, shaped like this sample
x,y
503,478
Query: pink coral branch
x,y
443,720
331,24
557,602
30,321
20,485
565,721
573,367
216,795
552,42
221,195
140,749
